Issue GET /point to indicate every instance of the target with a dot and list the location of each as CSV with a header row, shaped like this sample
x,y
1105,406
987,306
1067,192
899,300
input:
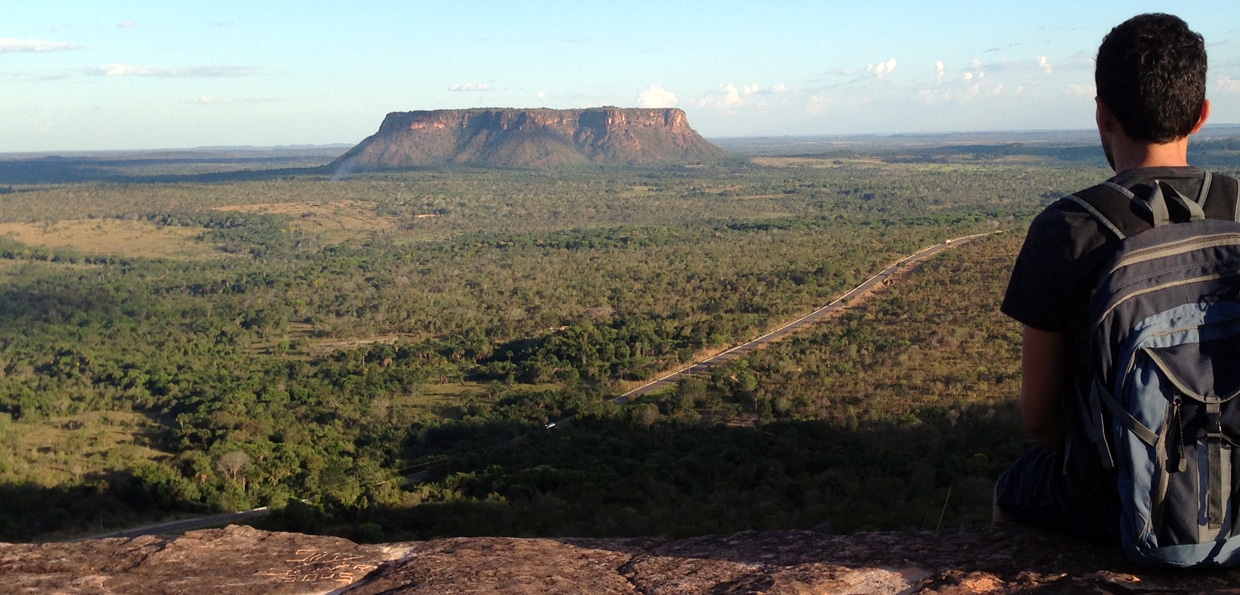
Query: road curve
x,y
796,325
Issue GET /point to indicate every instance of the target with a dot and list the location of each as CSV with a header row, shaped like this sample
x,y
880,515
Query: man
x,y
1150,77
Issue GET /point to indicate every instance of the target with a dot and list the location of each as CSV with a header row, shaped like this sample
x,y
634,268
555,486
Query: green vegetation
x,y
240,340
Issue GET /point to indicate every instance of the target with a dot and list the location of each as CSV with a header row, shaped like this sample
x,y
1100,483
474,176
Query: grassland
x,y
61,450
113,237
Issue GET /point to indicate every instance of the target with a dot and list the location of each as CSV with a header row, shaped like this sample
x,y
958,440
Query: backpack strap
x,y
1124,213
1158,202
1229,187
1095,194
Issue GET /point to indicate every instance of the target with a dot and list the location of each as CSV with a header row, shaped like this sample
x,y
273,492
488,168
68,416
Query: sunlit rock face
x,y
1000,559
530,138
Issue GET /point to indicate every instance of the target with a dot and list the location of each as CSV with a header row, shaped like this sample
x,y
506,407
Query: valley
x,y
189,343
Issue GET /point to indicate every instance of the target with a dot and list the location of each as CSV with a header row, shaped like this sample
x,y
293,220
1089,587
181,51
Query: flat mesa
x,y
530,138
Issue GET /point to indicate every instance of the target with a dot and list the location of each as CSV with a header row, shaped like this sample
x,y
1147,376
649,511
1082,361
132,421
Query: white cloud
x,y
968,92
466,87
1226,84
882,68
750,89
124,70
729,98
126,24
9,44
978,72
940,70
1045,64
162,72
656,96
968,76
782,88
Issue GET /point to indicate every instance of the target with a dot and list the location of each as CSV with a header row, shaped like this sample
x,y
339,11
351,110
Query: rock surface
x,y
244,560
525,138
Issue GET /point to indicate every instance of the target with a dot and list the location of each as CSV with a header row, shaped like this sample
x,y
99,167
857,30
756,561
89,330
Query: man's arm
x,y
1044,371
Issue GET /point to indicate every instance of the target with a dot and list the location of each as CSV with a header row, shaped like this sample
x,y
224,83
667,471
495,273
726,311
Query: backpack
x,y
1164,348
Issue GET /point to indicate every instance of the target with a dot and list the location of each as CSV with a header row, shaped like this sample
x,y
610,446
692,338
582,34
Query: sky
x,y
127,75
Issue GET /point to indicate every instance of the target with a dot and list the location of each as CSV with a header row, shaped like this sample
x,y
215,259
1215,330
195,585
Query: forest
x,y
381,357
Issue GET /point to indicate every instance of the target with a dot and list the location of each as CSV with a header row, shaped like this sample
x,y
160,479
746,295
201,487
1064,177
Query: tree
x,y
232,465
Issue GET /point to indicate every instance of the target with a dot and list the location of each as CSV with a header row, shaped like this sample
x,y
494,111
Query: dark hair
x,y
1151,73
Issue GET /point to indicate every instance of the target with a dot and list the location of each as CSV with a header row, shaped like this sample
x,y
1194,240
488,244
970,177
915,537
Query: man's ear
x,y
1205,115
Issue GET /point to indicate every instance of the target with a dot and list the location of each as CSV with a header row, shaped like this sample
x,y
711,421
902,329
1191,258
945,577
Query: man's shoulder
x,y
1064,218
1051,277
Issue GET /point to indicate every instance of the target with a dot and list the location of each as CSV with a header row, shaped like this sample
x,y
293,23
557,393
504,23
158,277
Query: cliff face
x,y
525,138
244,560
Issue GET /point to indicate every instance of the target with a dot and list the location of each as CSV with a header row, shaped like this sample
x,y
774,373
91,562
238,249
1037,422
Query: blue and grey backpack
x,y
1165,360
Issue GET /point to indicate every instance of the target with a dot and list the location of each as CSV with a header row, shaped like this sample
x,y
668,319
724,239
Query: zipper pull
x,y
1182,465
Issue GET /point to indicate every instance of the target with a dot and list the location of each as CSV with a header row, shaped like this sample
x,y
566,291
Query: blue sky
x,y
97,75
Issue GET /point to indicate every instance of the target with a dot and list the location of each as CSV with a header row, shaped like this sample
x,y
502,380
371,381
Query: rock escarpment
x,y
526,138
245,560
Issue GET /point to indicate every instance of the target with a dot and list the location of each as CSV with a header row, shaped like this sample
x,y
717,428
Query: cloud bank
x,y
176,72
732,96
9,44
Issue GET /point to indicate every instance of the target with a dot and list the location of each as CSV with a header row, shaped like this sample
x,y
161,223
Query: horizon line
x,y
332,145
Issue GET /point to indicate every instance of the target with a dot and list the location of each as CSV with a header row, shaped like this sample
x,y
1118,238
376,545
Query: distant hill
x,y
530,138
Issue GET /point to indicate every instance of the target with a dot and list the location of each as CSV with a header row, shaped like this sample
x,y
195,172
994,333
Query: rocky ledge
x,y
240,559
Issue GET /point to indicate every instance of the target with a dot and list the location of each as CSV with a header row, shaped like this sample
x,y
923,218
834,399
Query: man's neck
x,y
1129,155
1124,153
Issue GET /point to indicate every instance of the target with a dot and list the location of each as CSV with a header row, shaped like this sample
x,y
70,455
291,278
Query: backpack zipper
x,y
1177,427
1193,243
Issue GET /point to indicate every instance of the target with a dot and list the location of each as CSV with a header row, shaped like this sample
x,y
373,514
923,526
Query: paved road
x,y
870,284
205,522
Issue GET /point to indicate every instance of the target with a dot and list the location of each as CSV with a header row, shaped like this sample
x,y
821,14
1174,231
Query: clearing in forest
x,y
114,237
334,216
52,451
